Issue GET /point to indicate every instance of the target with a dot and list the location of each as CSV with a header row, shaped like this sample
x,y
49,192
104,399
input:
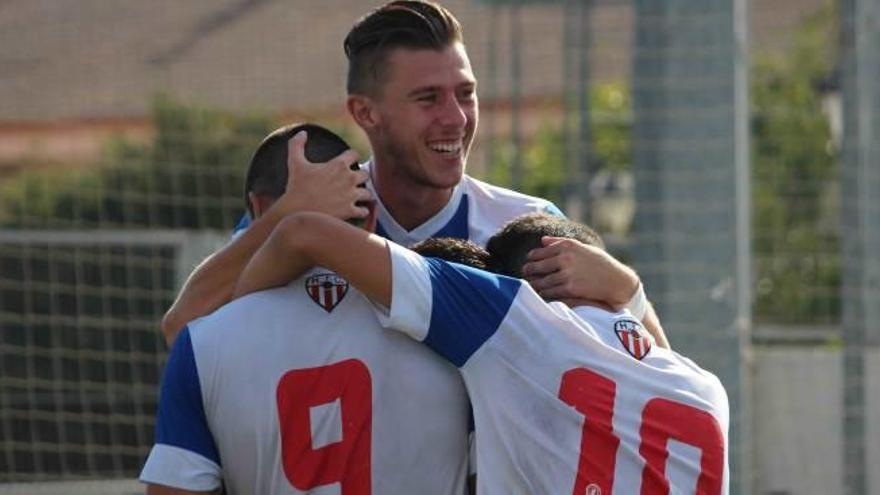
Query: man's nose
x,y
453,113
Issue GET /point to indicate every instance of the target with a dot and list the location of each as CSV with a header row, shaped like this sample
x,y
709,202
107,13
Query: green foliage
x,y
544,155
189,176
797,263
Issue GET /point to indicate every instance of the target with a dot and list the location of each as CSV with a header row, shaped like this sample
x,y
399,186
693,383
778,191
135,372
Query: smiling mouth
x,y
448,148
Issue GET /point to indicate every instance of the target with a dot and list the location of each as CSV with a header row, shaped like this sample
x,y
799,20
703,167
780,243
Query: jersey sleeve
x,y
184,454
452,308
243,224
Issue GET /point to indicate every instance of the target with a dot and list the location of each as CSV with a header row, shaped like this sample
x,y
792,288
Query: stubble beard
x,y
405,165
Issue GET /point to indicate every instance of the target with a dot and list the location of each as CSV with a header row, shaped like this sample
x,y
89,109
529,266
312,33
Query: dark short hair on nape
x,y
510,246
455,251
267,174
398,24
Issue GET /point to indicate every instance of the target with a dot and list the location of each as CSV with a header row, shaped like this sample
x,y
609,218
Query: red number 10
x,y
593,396
346,462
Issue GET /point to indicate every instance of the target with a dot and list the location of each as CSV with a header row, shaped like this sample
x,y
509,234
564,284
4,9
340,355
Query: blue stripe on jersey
x,y
554,210
457,226
243,223
467,306
181,421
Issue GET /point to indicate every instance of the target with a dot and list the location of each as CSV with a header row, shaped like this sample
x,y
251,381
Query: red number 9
x,y
347,461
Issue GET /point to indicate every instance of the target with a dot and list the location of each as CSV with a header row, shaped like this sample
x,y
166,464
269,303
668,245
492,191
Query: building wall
x,y
798,411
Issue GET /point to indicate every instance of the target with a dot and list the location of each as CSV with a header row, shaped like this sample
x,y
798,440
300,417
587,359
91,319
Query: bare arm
x,y
330,188
304,240
167,490
568,270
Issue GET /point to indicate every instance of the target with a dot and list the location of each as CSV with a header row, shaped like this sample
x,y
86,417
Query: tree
x,y
797,262
190,175
544,155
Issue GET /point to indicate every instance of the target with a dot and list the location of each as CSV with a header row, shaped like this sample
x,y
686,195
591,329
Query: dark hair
x,y
398,24
267,174
454,250
510,246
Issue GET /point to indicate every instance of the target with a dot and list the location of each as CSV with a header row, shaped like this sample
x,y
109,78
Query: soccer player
x,y
412,91
298,389
565,399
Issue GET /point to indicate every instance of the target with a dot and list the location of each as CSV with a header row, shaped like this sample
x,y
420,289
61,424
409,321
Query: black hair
x,y
510,246
454,250
267,174
398,24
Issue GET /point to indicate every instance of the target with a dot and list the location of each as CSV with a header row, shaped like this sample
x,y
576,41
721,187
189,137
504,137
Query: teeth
x,y
446,147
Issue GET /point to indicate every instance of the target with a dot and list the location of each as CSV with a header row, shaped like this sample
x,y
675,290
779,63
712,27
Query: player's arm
x,y
330,188
568,270
167,490
304,240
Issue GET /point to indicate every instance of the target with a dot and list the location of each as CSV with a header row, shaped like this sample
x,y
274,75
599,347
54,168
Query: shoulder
x,y
250,315
501,198
490,207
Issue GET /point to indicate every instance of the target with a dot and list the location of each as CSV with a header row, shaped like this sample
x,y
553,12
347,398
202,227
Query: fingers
x,y
358,212
558,292
359,177
552,247
347,157
549,281
547,240
362,195
296,152
542,267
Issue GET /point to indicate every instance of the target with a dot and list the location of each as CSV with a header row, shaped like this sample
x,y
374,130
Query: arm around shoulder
x,y
304,240
210,285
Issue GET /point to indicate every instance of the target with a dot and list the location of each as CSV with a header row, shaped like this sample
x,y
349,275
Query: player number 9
x,y
347,461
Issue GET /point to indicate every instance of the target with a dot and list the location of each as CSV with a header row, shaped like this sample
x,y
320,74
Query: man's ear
x,y
364,111
259,203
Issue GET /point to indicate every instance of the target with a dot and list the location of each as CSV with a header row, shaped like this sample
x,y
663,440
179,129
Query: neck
x,y
409,204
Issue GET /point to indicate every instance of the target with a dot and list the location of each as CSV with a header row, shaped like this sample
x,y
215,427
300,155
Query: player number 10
x,y
593,396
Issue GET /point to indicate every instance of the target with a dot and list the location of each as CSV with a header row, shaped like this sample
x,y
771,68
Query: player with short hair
x,y
565,399
297,389
412,91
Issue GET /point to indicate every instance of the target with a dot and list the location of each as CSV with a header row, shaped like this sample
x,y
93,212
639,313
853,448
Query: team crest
x,y
326,289
636,342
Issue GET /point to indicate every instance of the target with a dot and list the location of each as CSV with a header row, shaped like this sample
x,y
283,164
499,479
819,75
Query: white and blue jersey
x,y
475,212
564,400
299,390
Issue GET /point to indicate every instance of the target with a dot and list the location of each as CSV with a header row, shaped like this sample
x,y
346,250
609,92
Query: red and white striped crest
x,y
326,289
630,334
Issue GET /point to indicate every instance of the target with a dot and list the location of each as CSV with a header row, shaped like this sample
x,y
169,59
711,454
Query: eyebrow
x,y
430,89
423,90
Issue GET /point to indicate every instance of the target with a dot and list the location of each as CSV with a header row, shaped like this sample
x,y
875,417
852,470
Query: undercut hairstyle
x,y
510,246
267,174
454,250
399,24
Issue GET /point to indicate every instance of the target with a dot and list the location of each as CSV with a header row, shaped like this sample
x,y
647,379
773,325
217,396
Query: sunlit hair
x,y
267,174
398,24
455,251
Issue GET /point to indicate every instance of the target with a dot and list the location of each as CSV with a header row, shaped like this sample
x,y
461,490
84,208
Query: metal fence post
x,y
860,38
686,152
